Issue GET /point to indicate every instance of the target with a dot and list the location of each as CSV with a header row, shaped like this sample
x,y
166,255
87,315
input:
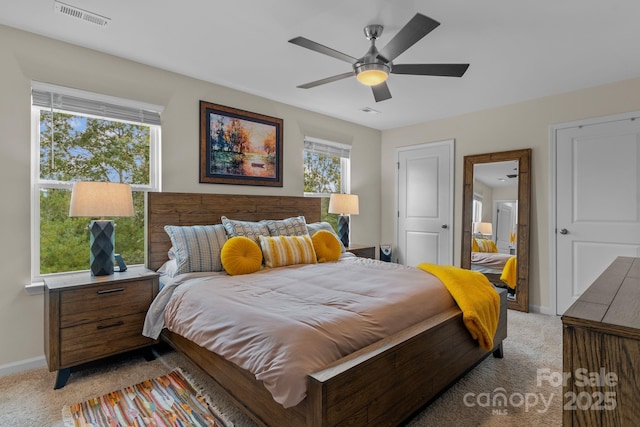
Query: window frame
x,y
37,184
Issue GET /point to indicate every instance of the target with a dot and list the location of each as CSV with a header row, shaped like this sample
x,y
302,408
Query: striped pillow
x,y
197,248
295,226
279,251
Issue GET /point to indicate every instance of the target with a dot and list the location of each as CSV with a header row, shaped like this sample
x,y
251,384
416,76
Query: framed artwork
x,y
239,147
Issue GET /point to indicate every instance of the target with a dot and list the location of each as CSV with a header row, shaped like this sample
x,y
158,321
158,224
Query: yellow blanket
x,y
510,273
476,297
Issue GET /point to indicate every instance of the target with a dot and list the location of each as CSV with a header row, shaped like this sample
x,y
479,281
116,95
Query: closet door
x,y
425,212
597,202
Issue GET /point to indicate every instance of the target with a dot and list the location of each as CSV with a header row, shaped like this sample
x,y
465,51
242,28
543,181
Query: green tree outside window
x,y
88,149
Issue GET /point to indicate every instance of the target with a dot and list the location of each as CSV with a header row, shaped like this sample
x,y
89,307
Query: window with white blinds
x,y
327,148
84,136
93,104
326,167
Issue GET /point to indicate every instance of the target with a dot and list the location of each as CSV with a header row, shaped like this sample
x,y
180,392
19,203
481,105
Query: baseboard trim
x,y
22,365
541,310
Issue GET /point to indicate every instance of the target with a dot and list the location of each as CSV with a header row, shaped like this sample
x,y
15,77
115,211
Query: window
x,y
82,136
476,215
326,171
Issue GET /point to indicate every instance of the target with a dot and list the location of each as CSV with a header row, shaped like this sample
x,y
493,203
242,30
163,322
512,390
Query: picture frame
x,y
239,147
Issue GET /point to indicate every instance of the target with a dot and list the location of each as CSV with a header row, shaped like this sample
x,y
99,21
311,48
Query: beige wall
x,y
27,57
522,125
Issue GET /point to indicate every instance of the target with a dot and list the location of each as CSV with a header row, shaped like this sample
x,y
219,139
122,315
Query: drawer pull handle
x,y
111,325
108,291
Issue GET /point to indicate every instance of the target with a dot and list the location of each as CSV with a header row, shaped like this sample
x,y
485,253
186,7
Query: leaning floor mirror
x,y
495,221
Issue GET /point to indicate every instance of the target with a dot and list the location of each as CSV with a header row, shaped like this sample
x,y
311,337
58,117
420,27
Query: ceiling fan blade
x,y
317,47
327,80
446,70
418,27
381,92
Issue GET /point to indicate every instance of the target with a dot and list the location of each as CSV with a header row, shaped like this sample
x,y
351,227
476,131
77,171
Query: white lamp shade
x,y
101,199
484,228
344,204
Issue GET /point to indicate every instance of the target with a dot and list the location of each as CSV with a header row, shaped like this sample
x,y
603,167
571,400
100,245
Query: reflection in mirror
x,y
496,221
495,207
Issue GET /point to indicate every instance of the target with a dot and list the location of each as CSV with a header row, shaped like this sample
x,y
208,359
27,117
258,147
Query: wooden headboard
x,y
203,209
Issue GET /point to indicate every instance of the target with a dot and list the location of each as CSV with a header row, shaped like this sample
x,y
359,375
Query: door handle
x,y
445,226
564,231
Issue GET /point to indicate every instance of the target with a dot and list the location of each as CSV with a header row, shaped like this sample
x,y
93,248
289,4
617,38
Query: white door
x,y
425,197
597,202
504,225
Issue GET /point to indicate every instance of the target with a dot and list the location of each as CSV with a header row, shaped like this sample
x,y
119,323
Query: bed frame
x,y
383,384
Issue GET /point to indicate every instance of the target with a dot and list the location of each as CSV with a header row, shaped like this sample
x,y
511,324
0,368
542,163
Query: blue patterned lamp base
x,y
102,238
343,229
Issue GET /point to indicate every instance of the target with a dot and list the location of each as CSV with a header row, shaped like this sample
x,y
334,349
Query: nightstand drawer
x,y
105,301
95,340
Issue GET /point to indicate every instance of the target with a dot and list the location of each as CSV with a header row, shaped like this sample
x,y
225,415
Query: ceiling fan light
x,y
372,74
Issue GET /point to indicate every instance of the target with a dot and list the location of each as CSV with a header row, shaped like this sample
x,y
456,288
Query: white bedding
x,y
489,262
284,323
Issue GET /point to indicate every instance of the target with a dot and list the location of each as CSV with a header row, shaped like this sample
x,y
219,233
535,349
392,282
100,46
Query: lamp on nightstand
x,y
101,200
484,229
344,205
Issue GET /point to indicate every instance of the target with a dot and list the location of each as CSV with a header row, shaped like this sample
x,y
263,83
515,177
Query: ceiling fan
x,y
374,67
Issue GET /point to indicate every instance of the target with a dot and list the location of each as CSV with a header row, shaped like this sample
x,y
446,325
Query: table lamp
x,y
101,200
484,228
344,205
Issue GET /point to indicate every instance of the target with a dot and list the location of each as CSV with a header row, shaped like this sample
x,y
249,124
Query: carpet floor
x,y
497,392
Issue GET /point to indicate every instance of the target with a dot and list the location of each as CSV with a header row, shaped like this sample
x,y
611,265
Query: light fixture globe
x,y
370,70
372,74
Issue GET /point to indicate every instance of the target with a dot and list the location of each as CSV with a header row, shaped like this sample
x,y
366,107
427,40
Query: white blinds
x,y
77,101
327,148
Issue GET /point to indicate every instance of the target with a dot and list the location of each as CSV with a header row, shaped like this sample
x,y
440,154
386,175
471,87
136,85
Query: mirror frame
x,y
523,157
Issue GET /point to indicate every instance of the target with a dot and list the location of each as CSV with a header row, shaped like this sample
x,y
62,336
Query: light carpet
x,y
498,392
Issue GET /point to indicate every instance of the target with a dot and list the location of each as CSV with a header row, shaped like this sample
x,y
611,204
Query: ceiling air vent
x,y
75,12
369,110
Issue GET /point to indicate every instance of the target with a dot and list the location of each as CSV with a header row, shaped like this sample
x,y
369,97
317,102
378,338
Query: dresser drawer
x,y
105,301
95,340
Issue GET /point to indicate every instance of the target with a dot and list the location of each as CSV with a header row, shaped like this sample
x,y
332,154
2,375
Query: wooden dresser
x,y
601,350
90,317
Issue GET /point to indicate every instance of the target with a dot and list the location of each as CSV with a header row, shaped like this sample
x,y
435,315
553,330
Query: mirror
x,y
495,221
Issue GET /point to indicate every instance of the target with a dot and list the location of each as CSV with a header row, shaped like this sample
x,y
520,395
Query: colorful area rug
x,y
169,400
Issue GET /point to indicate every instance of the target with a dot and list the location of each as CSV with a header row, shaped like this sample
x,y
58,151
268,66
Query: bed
x,y
383,383
500,268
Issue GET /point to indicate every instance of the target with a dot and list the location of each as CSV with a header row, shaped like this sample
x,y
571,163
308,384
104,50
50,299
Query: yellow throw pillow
x,y
474,245
241,255
279,251
484,245
326,245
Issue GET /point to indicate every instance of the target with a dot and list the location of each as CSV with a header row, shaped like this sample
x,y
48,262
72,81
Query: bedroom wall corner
x,y
21,316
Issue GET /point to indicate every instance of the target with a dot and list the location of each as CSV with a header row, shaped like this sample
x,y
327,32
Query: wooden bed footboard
x,y
382,384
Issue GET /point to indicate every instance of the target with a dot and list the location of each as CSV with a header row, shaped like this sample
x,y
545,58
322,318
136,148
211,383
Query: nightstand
x,y
91,317
362,251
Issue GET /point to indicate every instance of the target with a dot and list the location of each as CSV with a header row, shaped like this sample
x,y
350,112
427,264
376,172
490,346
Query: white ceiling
x,y
517,49
495,174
